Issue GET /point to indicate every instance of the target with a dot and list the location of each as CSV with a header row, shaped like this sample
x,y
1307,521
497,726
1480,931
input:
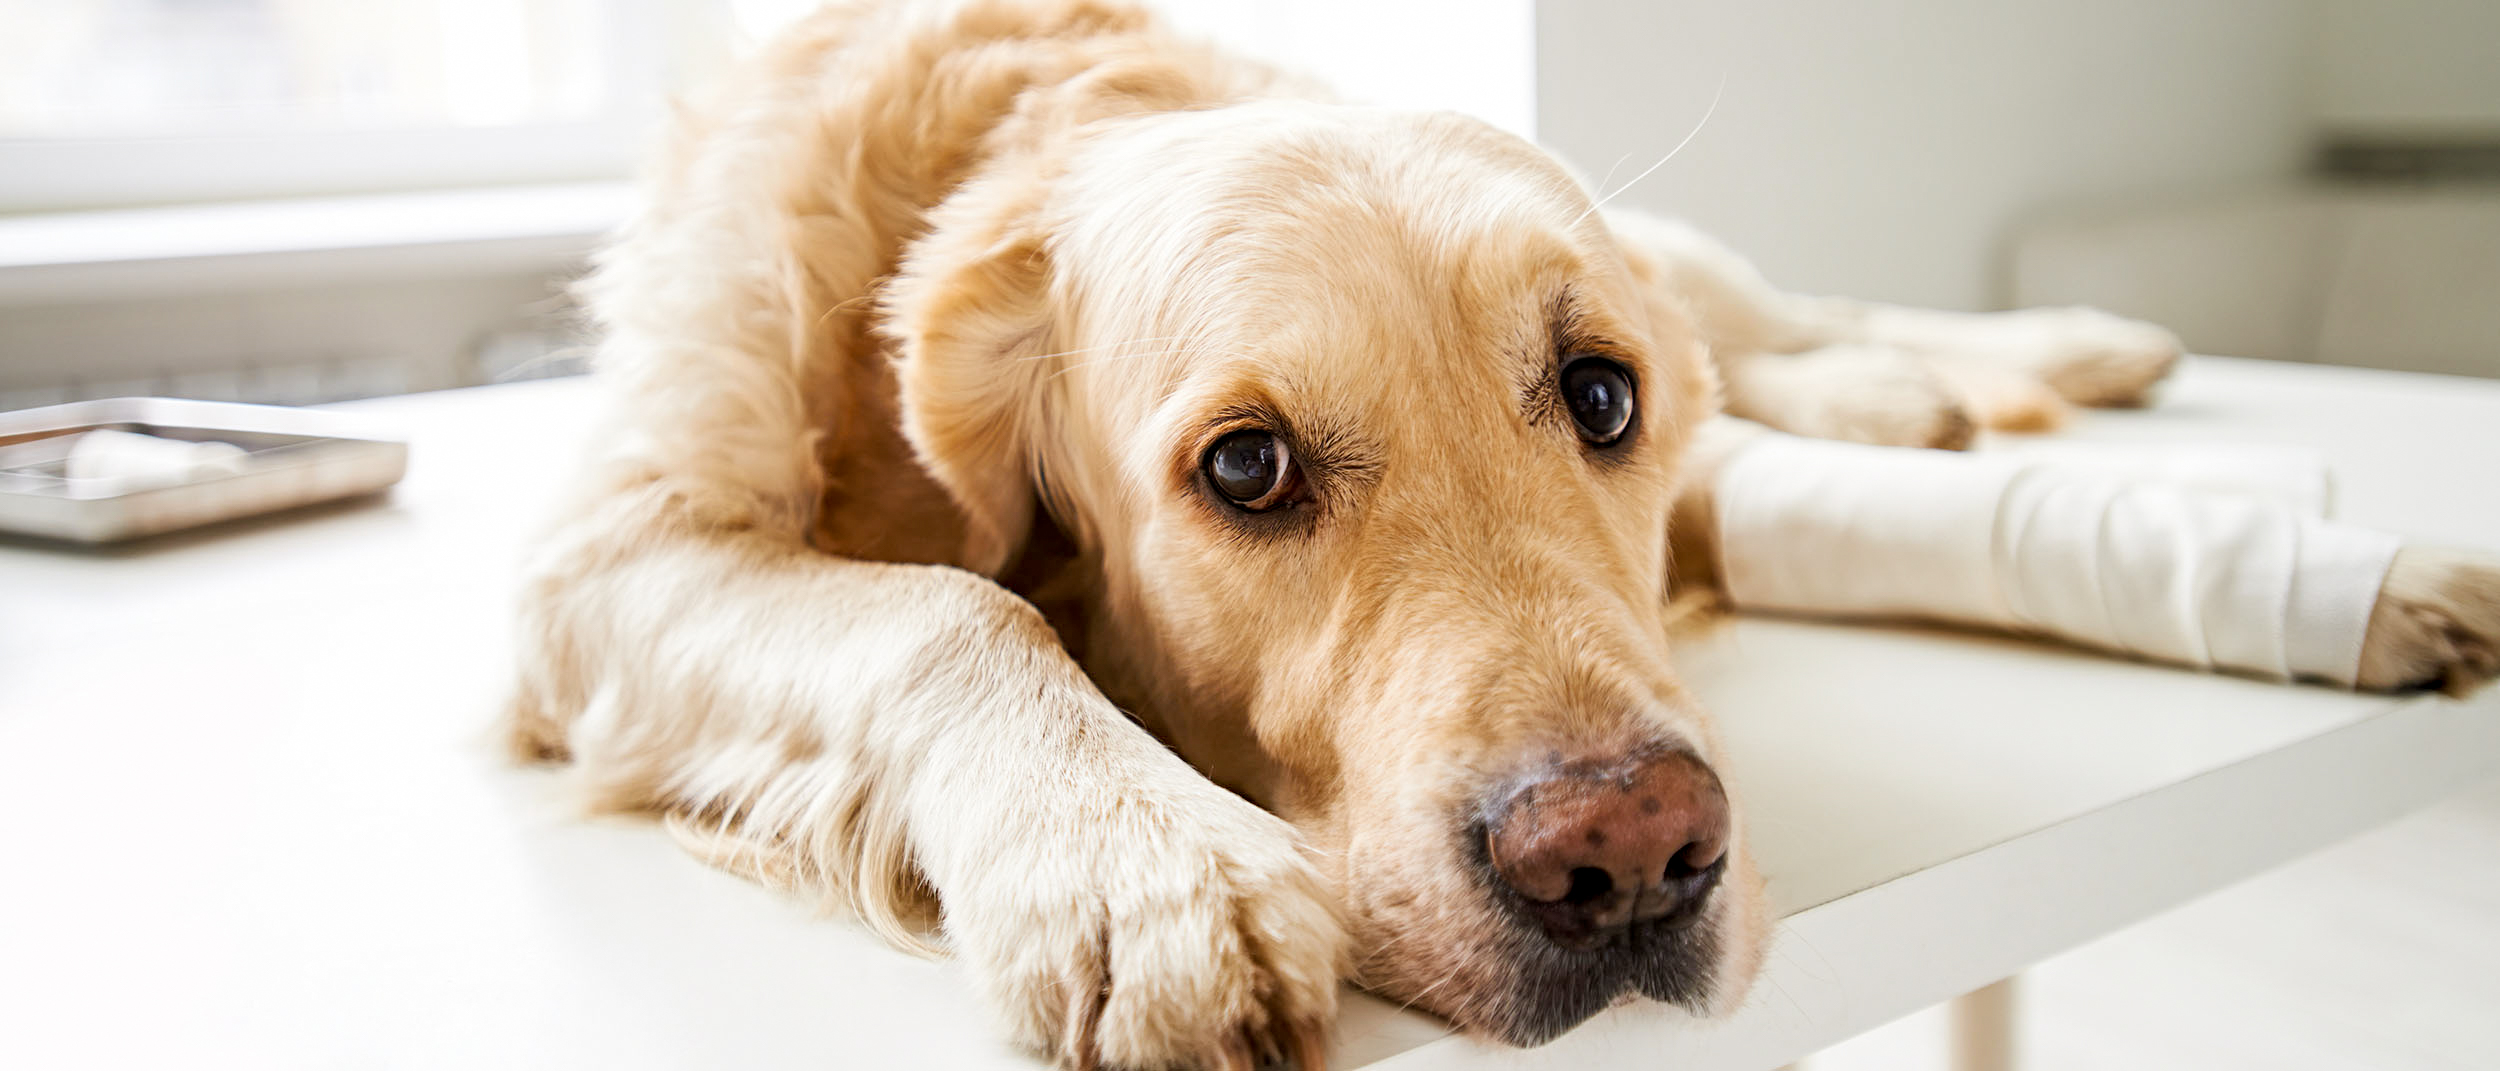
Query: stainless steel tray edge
x,y
338,456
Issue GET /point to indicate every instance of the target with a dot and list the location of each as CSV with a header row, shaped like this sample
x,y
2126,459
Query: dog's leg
x,y
2012,370
1780,523
1776,366
2086,356
1853,393
1834,368
909,741
1779,362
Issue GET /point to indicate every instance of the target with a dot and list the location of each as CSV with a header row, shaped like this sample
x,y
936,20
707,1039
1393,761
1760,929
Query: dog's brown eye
x,y
1599,393
1251,469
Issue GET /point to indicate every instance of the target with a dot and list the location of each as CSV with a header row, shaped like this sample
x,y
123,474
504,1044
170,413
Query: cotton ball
x,y
128,461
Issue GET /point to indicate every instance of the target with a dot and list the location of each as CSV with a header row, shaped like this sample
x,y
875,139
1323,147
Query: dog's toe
x,y
1906,411
1180,939
2092,358
1864,394
2436,624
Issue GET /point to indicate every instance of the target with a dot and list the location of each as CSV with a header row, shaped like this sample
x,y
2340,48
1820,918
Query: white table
x,y
252,816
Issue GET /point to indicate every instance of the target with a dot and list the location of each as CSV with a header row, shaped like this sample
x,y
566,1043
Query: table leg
x,y
1983,1028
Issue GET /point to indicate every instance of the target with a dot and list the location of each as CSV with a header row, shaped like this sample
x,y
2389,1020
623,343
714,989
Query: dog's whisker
x,y
553,356
1706,113
1609,176
839,308
1104,360
1130,356
1409,1003
1165,352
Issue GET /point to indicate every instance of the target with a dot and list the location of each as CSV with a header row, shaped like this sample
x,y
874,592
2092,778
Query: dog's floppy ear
x,y
967,310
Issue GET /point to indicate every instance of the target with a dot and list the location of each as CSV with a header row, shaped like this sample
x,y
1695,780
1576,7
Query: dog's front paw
x,y
2090,357
2436,625
1157,933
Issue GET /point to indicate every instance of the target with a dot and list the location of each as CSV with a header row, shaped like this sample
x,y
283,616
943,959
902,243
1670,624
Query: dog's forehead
x,y
1294,242
1287,203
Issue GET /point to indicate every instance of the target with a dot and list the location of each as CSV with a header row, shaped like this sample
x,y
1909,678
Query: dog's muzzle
x,y
1606,867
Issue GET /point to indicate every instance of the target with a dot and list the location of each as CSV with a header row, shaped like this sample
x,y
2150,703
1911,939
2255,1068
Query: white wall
x,y
1472,56
2396,66
1881,148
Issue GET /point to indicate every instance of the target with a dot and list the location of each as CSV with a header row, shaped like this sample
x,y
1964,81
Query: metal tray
x,y
292,457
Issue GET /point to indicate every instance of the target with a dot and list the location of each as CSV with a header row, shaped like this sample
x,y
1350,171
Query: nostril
x,y
1587,884
1690,861
1680,899
1693,885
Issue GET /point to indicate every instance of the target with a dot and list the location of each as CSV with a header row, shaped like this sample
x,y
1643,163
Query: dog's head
x,y
1361,432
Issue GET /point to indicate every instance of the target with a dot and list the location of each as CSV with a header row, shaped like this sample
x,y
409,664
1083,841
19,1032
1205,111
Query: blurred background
x,y
307,200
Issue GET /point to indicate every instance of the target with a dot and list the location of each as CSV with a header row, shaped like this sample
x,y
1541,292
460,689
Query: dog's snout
x,y
1594,848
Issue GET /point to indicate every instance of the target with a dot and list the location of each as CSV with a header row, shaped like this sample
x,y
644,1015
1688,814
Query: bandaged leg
x,y
2249,582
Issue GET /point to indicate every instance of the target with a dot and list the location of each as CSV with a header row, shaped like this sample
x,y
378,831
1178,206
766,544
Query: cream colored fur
x,y
888,581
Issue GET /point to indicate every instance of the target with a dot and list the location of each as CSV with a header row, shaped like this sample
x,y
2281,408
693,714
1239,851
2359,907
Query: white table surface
x,y
252,818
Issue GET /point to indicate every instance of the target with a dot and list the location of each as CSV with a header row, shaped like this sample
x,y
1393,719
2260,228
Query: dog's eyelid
x,y
1236,416
1572,345
1575,332
1229,424
1326,447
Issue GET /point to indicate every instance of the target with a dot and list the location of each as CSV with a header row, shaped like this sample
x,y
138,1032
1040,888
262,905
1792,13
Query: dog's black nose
x,y
1594,847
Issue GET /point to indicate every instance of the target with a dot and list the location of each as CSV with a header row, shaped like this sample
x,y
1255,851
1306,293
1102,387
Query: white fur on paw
x,y
2437,623
2090,357
1998,395
1188,933
1865,394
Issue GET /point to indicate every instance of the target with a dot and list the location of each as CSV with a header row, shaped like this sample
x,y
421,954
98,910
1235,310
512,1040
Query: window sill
x,y
83,257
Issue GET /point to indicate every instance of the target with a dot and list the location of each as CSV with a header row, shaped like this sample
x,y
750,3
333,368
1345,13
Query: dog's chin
x,y
1563,989
1525,991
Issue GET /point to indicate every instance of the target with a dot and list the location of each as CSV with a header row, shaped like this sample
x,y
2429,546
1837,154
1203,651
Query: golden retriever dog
x,y
1090,504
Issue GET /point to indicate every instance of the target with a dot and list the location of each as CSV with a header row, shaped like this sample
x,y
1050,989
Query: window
x,y
118,102
106,103
194,67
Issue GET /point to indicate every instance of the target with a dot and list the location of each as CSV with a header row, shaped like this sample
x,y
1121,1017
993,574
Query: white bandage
x,y
2295,476
2215,579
